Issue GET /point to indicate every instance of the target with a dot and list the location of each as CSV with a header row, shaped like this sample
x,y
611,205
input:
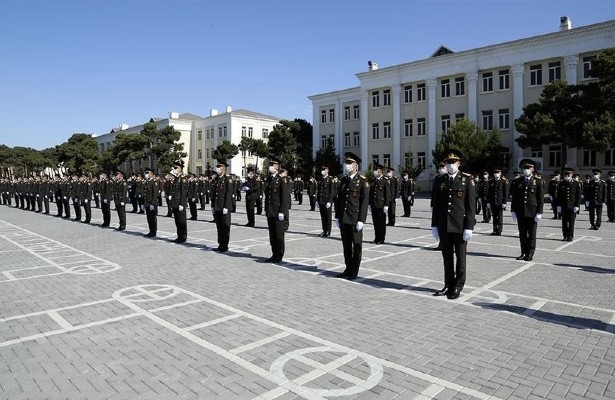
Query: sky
x,y
87,66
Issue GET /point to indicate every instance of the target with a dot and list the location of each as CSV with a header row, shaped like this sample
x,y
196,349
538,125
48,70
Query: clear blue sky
x,y
87,66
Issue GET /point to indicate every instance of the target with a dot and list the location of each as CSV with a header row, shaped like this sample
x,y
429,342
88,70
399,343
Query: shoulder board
x,y
362,177
465,174
230,180
537,177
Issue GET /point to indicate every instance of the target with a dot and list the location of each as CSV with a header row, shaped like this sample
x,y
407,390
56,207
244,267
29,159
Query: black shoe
x,y
529,257
569,239
220,249
180,240
554,218
273,260
104,225
439,248
521,257
453,294
351,277
150,234
192,218
141,212
87,221
440,292
323,234
342,275
249,224
120,228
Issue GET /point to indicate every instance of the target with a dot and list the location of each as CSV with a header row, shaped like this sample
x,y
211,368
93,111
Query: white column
x,y
364,119
315,129
397,150
572,63
472,96
339,129
431,117
517,75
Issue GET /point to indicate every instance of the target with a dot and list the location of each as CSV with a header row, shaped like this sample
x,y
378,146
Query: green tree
x,y
409,167
225,151
259,150
480,150
167,148
327,156
303,133
79,154
129,147
282,144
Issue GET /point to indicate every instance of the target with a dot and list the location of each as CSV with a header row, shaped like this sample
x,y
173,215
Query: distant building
x,y
405,108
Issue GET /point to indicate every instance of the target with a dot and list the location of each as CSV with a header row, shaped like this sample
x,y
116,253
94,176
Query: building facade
x,y
405,108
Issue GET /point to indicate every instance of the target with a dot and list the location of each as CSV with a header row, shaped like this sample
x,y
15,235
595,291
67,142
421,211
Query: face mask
x,y
218,170
348,168
442,171
596,176
173,172
486,176
324,172
452,169
568,178
497,175
390,174
272,169
527,172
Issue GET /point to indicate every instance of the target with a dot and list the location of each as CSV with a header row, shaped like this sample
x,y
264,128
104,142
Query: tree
x,y
129,147
283,145
409,167
303,133
79,154
327,156
480,150
167,148
225,151
260,150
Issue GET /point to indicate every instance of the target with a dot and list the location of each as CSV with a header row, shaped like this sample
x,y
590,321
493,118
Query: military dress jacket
x,y
150,192
454,203
178,191
498,191
568,194
277,196
595,192
120,192
325,190
222,190
352,200
253,187
379,193
106,190
527,196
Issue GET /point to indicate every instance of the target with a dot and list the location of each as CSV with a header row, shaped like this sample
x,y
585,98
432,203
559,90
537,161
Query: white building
x,y
405,108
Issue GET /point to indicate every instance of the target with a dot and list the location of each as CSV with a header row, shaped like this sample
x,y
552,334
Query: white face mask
x,y
527,172
324,172
218,170
173,172
272,169
497,175
390,174
568,178
596,176
348,168
452,168
485,176
442,171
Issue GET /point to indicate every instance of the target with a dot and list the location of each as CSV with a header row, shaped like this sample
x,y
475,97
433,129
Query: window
x,y
386,97
589,158
420,127
386,130
408,159
332,140
386,160
199,154
487,81
459,117
587,66
446,123
555,156
375,99
355,112
504,118
375,131
487,120
375,159
347,139
323,142
265,133
243,131
420,92
102,147
208,134
408,128
460,86
408,94
207,153
331,115
609,157
420,158
250,132
355,139
346,113
224,129
536,152
199,134
536,75
505,156
445,88
219,131
504,79
323,117
555,71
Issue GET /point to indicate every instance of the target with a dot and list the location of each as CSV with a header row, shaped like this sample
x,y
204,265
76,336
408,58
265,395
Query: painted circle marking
x,y
145,293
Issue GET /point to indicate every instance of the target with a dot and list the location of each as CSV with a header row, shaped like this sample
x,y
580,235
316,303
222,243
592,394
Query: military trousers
x,y
325,217
498,217
380,226
610,210
121,214
527,234
454,251
250,205
223,226
77,207
152,219
595,215
105,207
276,237
568,218
181,224
391,212
66,205
486,211
352,242
87,209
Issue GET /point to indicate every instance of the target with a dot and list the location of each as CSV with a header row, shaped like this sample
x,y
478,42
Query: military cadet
x,y
120,198
394,185
44,193
252,187
37,194
351,213
96,192
57,194
222,192
106,195
86,190
379,199
299,190
140,194
312,190
610,197
324,200
595,196
131,185
167,184
200,187
552,190
67,187
236,191
568,197
442,173
193,195
276,206
497,197
527,201
482,189
178,197
150,202
207,188
406,192
77,195
585,183
289,184
452,222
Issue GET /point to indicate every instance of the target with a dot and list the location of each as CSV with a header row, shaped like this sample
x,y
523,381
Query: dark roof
x,y
442,50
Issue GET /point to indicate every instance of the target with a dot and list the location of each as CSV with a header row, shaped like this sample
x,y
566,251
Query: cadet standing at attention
x,y
150,202
222,191
497,195
120,198
178,191
106,195
527,201
452,222
568,195
324,200
276,206
253,189
379,198
351,213
394,185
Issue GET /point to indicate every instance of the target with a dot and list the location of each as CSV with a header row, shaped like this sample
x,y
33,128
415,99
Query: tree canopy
x,y
327,156
225,151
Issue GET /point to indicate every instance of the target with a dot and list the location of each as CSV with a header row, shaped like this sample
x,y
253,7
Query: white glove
x,y
121,203
587,204
359,226
435,233
337,222
317,205
87,200
280,217
170,197
65,198
152,207
551,198
193,199
537,217
513,215
467,235
558,209
105,201
385,209
409,198
37,195
181,208
576,209
396,199
328,205
489,206
45,196
503,206
224,211
369,208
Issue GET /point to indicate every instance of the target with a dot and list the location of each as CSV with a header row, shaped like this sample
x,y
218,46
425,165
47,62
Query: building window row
x,y
503,119
355,112
323,116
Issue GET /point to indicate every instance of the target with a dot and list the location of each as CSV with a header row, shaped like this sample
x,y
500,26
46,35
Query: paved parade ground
x,y
91,313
